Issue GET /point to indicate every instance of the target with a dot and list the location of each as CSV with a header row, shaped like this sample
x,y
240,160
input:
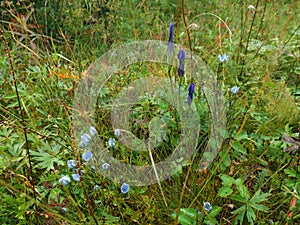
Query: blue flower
x,y
181,58
125,188
223,58
93,131
181,55
71,164
207,206
234,89
171,40
191,92
105,166
64,180
86,138
117,132
76,177
64,209
96,187
83,144
111,142
87,156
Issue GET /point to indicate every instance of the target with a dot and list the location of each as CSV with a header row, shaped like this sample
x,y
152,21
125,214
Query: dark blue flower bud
x,y
191,92
171,34
181,58
181,55
171,40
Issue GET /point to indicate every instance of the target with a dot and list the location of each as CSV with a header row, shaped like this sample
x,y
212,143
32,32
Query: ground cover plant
x,y
251,49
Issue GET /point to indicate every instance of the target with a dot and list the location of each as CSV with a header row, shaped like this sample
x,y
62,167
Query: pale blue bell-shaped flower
x,y
64,180
207,206
76,177
87,156
125,188
93,131
71,163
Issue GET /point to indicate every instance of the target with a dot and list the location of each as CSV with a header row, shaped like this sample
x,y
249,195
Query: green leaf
x,y
250,215
242,189
46,156
225,191
241,213
259,207
239,148
227,180
214,211
259,197
238,198
261,161
242,135
226,161
187,216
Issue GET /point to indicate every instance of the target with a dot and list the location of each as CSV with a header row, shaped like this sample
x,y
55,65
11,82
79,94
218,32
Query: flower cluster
x,y
85,139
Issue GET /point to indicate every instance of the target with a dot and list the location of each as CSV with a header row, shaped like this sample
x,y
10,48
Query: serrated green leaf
x,y
259,207
240,217
227,180
238,198
239,210
225,191
244,192
214,211
250,216
259,197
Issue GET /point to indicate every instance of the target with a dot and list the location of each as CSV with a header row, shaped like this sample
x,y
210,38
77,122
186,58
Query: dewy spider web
x,y
148,51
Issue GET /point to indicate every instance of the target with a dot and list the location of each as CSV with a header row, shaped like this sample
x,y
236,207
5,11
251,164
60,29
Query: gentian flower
x,y
71,164
111,142
181,58
83,144
117,132
207,206
87,156
76,177
64,180
251,7
223,58
86,138
234,89
191,92
105,166
93,131
171,40
96,187
125,188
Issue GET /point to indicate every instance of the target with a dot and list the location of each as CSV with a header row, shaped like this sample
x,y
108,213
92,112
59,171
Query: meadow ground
x,y
236,107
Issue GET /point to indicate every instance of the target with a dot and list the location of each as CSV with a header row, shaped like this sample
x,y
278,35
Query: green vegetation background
x,y
254,180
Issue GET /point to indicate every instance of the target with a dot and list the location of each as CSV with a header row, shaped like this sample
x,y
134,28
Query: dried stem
x,y
22,113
